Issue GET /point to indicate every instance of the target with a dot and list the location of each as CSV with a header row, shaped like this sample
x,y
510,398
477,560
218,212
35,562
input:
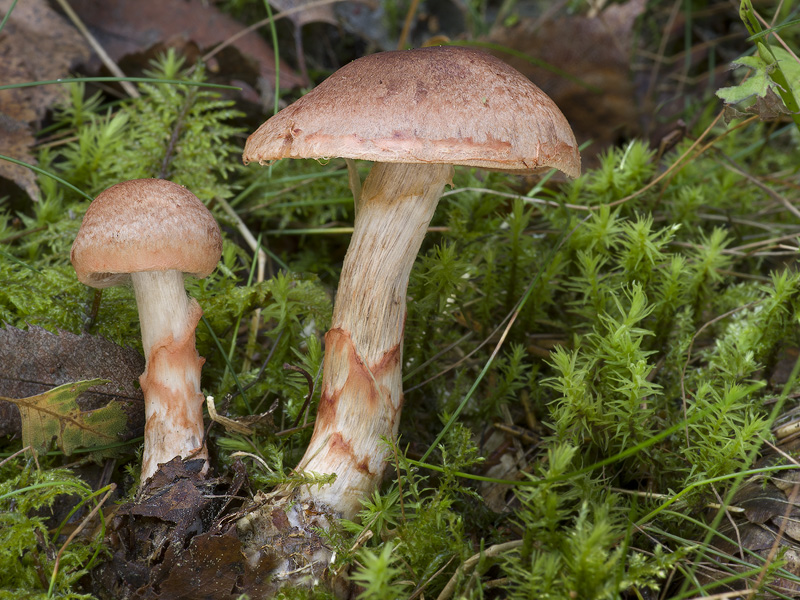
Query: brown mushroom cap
x,y
145,225
443,104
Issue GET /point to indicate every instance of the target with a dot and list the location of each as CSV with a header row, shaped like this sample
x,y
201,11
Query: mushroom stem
x,y
362,392
173,400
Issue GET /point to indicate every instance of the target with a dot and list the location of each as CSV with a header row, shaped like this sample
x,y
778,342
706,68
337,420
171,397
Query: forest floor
x,y
599,375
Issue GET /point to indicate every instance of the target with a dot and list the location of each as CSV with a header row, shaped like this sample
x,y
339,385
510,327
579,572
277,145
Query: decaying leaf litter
x,y
642,343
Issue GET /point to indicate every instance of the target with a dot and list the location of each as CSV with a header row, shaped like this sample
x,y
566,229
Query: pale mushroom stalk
x,y
171,380
362,390
151,232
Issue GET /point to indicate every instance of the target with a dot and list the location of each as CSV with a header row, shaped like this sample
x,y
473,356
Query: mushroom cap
x,y
444,104
145,225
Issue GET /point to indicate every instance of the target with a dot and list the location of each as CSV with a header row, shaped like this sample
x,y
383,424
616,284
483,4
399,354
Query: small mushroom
x,y
151,232
416,113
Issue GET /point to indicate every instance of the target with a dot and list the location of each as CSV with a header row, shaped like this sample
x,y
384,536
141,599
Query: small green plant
x,y
36,559
169,132
378,576
571,541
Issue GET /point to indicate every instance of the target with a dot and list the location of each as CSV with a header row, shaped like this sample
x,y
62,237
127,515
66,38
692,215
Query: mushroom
x,y
416,113
151,232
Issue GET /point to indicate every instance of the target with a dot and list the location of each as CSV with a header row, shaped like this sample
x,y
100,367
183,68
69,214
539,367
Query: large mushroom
x,y
151,232
416,113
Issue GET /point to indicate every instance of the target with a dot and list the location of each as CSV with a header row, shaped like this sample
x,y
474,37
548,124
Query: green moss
x,y
28,549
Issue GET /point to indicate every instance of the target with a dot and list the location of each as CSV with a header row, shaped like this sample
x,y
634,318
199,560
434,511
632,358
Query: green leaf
x,y
790,68
772,89
756,85
55,414
748,17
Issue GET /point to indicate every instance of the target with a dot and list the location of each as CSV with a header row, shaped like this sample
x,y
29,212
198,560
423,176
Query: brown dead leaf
x,y
783,366
307,11
767,108
127,27
212,569
16,141
36,360
36,44
790,526
215,568
176,541
596,51
761,503
178,502
766,517
786,480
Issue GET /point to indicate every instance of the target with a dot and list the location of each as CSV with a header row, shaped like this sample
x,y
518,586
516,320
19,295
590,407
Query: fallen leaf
x,y
169,474
215,568
55,415
127,27
789,525
175,540
16,141
767,108
761,503
307,11
757,93
36,44
212,569
178,503
766,517
36,360
591,55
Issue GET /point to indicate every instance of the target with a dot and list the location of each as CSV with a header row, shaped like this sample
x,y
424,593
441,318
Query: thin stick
x,y
662,48
399,482
227,423
78,529
470,563
255,457
412,10
726,595
262,22
247,235
527,199
17,453
775,33
772,193
129,88
310,394
422,586
255,246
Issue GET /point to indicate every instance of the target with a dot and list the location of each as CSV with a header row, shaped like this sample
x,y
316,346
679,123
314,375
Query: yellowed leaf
x,y
55,415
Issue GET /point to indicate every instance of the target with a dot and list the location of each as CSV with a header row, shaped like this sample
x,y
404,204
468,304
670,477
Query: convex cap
x,y
145,225
443,104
